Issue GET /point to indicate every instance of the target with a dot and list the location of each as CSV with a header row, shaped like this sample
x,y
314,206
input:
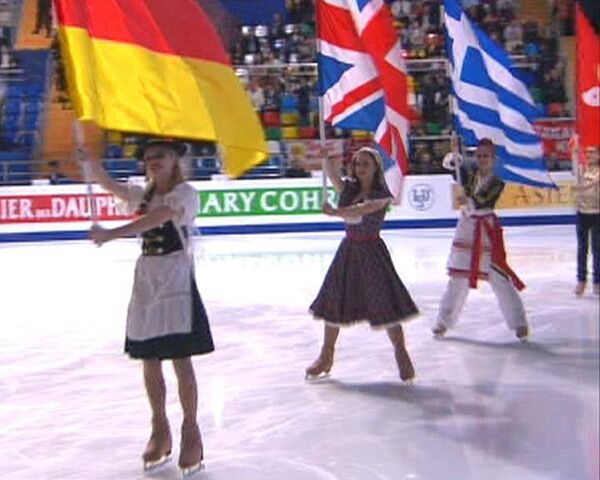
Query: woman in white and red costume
x,y
478,251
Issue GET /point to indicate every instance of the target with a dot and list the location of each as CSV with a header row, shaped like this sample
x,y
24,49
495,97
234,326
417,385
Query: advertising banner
x,y
555,137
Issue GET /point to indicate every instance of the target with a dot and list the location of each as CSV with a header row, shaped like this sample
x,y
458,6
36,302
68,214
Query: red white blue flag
x,y
362,76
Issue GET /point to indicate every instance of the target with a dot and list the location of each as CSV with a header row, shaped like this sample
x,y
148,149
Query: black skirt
x,y
181,345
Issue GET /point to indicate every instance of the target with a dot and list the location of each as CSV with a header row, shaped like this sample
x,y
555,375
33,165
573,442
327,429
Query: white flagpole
x,y
456,156
323,150
85,167
321,114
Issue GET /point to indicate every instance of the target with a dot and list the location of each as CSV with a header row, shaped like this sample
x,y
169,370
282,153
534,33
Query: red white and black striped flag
x,y
588,72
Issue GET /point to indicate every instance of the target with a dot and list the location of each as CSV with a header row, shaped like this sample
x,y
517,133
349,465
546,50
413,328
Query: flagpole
x,y
454,136
456,156
323,150
321,110
85,167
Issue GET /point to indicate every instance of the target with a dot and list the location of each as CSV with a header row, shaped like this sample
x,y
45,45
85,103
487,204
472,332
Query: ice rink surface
x,y
483,407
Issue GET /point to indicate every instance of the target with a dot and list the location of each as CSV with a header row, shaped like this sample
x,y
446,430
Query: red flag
x,y
588,80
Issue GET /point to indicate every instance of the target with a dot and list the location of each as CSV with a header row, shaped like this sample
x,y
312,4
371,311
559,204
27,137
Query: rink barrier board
x,y
296,228
41,213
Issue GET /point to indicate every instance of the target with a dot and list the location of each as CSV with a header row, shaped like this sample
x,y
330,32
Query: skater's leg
x,y
188,389
582,230
160,443
452,304
324,361
595,230
405,366
510,303
191,453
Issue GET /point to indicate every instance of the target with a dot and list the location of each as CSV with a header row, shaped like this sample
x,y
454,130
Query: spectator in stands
x,y
3,92
256,95
513,37
8,22
43,19
423,163
276,30
301,11
6,58
416,37
564,13
303,98
588,216
60,77
530,31
554,92
272,94
505,8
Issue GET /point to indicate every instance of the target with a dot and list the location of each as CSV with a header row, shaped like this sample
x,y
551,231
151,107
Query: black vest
x,y
162,240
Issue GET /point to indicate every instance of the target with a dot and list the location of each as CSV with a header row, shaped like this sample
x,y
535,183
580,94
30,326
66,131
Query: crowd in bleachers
x,y
262,51
277,63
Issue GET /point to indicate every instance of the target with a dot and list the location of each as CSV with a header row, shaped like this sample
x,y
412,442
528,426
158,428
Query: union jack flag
x,y
362,76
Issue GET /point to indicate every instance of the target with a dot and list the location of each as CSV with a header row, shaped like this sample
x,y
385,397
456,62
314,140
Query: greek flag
x,y
489,101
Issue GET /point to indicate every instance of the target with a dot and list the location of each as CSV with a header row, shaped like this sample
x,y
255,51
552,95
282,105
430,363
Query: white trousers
x,y
509,300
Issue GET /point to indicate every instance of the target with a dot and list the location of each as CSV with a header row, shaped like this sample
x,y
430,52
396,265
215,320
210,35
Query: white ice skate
x,y
192,451
187,472
152,465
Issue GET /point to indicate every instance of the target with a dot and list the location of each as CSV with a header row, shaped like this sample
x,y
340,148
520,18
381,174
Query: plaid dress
x,y
361,283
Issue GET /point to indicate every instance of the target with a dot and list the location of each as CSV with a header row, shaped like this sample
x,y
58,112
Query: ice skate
x,y
405,366
439,330
522,333
158,449
321,366
191,451
579,289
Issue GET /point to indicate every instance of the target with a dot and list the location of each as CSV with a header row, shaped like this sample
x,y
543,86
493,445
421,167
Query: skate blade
x,y
189,471
316,378
156,464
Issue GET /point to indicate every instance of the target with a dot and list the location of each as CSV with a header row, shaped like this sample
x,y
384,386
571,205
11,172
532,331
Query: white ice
x,y
484,407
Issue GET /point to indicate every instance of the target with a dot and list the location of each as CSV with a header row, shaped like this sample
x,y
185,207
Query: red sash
x,y
494,233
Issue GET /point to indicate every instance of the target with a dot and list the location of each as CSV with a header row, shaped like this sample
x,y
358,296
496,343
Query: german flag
x,y
157,67
588,71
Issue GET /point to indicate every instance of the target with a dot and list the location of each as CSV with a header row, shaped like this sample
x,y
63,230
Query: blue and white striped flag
x,y
489,101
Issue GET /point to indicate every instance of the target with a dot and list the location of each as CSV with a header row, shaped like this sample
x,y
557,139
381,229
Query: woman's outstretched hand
x,y
100,235
329,210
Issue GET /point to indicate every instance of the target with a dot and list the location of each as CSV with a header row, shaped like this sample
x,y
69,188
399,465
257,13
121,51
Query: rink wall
x,y
53,212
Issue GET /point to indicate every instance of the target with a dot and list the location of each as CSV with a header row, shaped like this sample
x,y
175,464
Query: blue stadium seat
x,y
15,91
26,140
34,107
31,122
121,167
12,105
114,151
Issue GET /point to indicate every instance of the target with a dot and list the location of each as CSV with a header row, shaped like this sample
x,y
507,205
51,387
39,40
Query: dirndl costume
x,y
166,318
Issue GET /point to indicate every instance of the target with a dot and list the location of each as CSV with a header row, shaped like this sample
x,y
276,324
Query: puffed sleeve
x,y
381,191
131,203
184,199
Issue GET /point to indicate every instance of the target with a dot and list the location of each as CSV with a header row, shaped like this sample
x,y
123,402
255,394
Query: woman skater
x,y
361,283
478,250
166,319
